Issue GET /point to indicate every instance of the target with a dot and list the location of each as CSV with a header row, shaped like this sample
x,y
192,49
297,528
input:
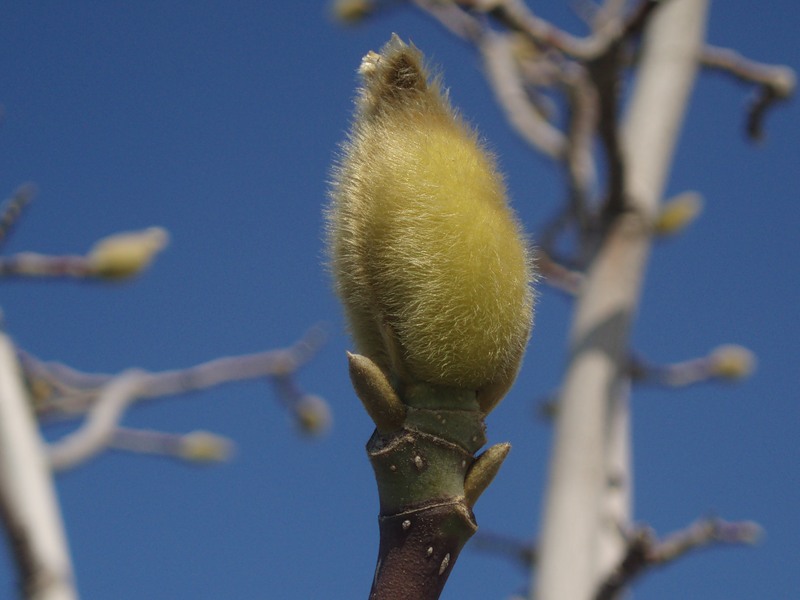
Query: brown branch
x,y
775,83
606,75
583,120
645,551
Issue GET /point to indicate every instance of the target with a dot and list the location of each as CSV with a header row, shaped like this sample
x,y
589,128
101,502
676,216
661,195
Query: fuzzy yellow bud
x,y
732,362
678,213
352,11
126,254
204,447
313,415
429,260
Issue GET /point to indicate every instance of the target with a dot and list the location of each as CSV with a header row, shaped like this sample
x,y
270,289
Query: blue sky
x,y
219,122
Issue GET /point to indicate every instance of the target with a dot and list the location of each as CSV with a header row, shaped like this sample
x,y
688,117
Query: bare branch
x,y
645,551
510,91
199,447
606,74
516,15
521,552
12,208
33,264
97,432
583,120
105,398
728,362
454,19
776,83
73,392
114,257
557,275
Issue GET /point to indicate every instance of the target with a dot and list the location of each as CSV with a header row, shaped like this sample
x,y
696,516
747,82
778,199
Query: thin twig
x,y
33,264
645,551
74,392
97,432
516,15
583,121
556,275
776,83
105,398
521,552
606,74
453,19
510,92
12,208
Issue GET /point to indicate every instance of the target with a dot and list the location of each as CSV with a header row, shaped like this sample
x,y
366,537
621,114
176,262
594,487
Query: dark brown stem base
x,y
418,549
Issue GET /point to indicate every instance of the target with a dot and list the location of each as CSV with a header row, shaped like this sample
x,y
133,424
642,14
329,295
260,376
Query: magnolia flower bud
x,y
126,254
429,260
352,11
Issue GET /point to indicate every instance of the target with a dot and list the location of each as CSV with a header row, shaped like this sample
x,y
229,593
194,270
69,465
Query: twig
x,y
74,391
585,107
196,446
32,264
645,551
12,209
97,432
522,553
779,77
510,91
105,398
776,82
516,15
557,275
454,19
606,75
726,362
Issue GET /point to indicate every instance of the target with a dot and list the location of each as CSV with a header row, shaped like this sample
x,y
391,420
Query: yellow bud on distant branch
x,y
313,415
678,213
352,11
732,362
204,447
126,254
429,259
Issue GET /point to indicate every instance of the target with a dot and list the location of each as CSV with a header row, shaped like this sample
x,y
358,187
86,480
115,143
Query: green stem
x,y
428,477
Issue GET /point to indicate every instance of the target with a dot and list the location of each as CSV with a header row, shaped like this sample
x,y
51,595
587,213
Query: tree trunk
x,y
578,546
28,504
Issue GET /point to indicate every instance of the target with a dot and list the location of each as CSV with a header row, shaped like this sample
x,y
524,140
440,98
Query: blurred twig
x,y
59,390
12,208
775,83
646,551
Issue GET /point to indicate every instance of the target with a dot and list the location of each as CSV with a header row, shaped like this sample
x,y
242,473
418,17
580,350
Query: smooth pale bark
x,y
30,508
592,431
